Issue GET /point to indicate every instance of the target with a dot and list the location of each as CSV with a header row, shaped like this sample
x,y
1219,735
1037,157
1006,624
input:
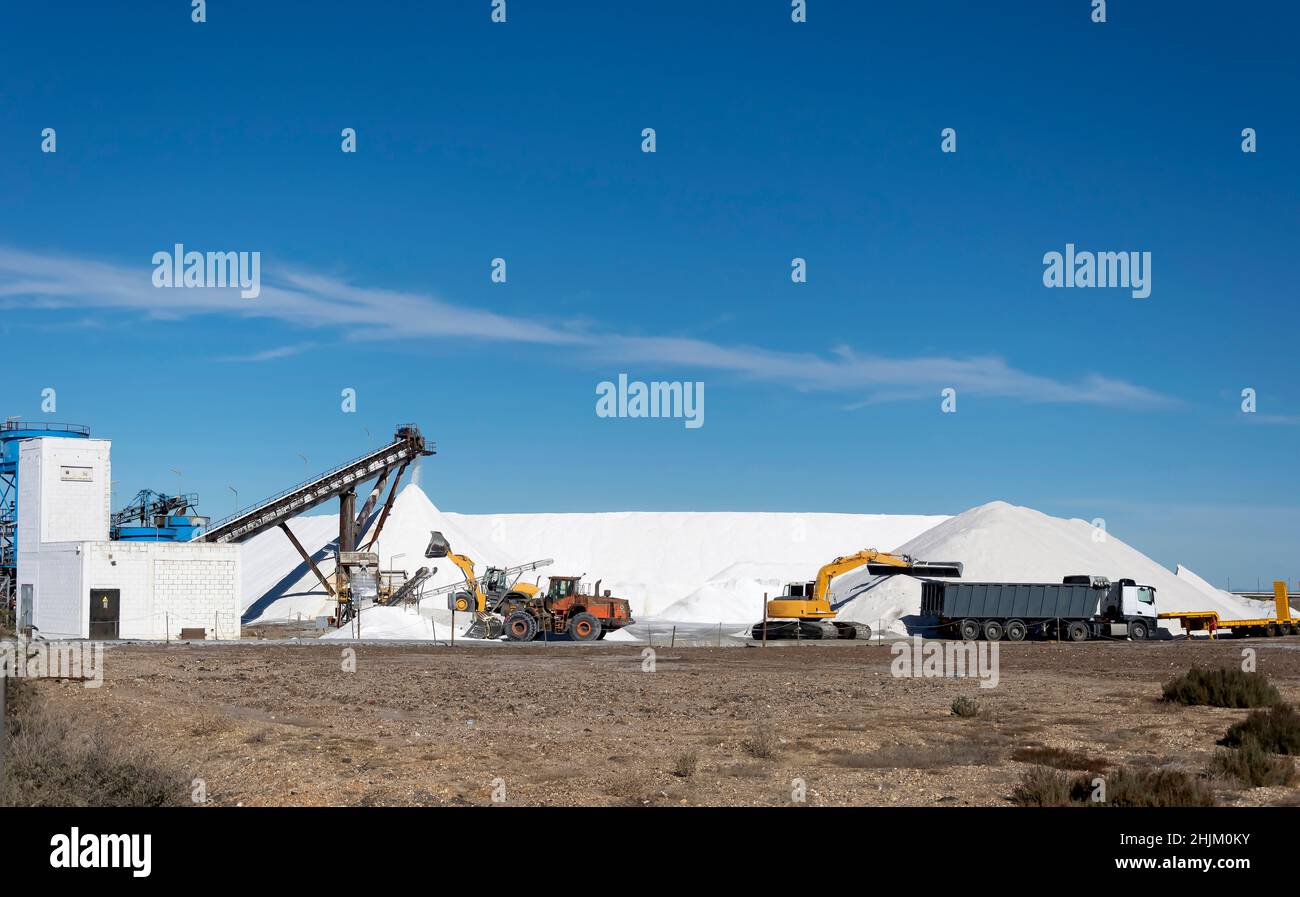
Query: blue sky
x,y
775,140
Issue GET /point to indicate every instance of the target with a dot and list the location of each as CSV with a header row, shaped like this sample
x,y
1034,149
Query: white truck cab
x,y
1126,602
1137,600
1132,604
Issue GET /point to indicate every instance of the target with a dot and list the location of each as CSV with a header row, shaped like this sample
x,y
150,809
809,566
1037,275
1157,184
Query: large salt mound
x,y
711,567
999,542
735,595
654,559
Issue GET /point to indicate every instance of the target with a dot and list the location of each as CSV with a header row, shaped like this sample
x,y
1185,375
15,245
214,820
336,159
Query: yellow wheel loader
x,y
804,610
483,597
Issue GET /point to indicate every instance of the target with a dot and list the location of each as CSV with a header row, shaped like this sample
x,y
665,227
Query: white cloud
x,y
313,301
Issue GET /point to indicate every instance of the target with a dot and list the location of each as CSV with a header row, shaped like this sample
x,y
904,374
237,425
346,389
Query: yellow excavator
x,y
804,610
482,597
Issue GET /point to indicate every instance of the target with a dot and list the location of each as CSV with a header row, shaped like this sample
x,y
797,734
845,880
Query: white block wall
x,y
64,490
164,587
54,573
64,495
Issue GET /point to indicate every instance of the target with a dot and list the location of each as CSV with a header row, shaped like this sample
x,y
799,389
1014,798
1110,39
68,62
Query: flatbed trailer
x,y
1282,622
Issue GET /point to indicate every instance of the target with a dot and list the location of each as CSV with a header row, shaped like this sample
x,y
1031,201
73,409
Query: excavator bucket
x,y
439,547
947,569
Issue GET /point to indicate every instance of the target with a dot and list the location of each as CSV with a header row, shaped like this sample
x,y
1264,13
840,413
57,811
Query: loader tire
x,y
584,628
521,626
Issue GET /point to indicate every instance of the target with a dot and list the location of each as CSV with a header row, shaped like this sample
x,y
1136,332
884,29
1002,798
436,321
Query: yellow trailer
x,y
1281,623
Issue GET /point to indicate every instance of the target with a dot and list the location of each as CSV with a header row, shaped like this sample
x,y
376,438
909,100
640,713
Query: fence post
x,y
4,684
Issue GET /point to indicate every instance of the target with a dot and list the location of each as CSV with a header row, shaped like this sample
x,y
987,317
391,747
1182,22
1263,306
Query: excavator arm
x,y
881,563
807,613
439,547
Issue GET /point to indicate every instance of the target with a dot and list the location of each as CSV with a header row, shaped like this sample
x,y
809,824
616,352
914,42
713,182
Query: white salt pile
x,y
713,567
653,559
1000,542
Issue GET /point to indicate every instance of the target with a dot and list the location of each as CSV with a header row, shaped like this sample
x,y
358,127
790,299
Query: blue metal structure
x,y
172,528
13,432
154,517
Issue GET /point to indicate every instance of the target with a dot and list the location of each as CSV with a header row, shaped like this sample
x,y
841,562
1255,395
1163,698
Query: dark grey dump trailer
x,y
1080,608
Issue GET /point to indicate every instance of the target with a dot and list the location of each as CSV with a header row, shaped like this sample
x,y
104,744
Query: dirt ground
x,y
432,725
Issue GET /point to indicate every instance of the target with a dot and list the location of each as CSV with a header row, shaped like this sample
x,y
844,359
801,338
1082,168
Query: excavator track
x,y
810,630
859,631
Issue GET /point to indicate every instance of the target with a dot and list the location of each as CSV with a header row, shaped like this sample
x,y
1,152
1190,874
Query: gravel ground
x,y
431,725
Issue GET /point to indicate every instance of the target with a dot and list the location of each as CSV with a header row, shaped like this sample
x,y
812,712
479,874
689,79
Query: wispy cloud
x,y
1282,420
270,354
314,301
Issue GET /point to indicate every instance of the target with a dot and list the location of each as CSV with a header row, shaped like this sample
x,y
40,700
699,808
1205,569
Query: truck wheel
x,y
969,630
1016,631
521,626
584,628
993,630
1270,631
1076,632
1138,632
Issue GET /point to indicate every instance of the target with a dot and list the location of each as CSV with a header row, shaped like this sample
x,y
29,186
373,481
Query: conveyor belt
x,y
407,445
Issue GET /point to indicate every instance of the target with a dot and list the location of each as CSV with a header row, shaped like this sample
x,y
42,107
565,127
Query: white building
x,y
75,583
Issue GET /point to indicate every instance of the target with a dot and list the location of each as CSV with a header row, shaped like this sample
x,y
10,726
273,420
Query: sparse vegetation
x,y
1226,687
53,760
761,743
965,707
1059,758
685,765
209,724
1251,766
1043,786
922,756
1276,730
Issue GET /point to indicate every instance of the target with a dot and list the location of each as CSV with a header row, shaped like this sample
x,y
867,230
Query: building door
x,y
104,611
24,607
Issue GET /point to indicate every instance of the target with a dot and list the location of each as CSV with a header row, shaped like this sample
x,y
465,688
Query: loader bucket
x,y
439,547
947,569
